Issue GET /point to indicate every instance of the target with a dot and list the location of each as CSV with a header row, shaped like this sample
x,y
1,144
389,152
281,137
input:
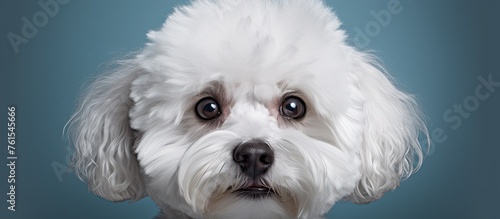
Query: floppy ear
x,y
103,140
390,150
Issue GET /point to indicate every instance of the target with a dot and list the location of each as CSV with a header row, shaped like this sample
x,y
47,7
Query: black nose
x,y
254,158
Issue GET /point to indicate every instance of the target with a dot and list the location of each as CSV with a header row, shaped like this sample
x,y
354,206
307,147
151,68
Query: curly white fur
x,y
135,132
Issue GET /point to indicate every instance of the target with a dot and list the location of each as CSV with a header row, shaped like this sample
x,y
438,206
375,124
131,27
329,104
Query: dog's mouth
x,y
255,191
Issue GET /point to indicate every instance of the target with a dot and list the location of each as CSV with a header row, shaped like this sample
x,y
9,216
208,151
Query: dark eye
x,y
207,108
293,107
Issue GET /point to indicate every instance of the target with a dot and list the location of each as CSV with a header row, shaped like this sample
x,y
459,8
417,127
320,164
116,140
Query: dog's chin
x,y
252,201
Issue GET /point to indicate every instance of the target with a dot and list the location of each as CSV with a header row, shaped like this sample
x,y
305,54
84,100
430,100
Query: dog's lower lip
x,y
254,189
255,192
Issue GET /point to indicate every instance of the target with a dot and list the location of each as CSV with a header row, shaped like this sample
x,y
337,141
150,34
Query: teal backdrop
x,y
444,52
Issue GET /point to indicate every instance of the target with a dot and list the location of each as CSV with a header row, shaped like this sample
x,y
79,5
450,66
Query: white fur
x,y
136,132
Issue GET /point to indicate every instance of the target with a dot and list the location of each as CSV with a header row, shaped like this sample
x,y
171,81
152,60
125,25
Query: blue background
x,y
435,49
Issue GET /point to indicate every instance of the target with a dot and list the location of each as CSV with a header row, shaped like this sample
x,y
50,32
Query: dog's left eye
x,y
207,108
293,107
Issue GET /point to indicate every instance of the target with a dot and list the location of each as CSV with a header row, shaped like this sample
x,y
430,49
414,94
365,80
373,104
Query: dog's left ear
x,y
103,140
390,150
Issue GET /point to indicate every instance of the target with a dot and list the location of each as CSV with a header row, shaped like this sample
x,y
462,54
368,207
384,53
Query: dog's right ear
x,y
103,140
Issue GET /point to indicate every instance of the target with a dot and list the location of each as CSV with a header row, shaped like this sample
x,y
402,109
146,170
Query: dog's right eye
x,y
207,108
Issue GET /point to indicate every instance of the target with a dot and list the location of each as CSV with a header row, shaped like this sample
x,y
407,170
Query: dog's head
x,y
255,108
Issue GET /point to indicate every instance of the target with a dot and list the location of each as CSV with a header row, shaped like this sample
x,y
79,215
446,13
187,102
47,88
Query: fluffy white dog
x,y
246,109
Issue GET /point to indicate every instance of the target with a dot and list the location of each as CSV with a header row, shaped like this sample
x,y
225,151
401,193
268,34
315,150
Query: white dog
x,y
246,109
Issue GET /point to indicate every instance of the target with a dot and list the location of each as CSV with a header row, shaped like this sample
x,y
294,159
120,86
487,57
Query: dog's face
x,y
252,109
